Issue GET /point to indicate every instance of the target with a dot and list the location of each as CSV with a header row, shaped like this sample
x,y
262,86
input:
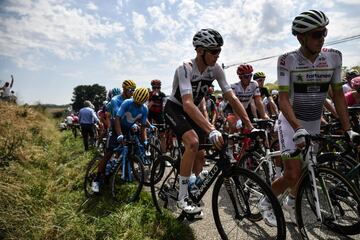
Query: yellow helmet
x,y
259,75
141,95
129,84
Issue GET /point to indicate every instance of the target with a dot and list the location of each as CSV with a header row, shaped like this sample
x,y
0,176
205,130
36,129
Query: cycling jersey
x,y
245,95
188,80
113,106
350,98
307,83
129,113
157,99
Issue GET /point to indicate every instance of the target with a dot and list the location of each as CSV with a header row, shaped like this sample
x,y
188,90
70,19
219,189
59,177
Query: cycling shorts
x,y
180,122
286,134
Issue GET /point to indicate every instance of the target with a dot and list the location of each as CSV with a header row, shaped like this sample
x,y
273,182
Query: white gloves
x,y
299,136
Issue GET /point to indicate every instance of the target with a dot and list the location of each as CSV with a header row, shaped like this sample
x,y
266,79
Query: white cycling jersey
x,y
245,95
189,80
307,83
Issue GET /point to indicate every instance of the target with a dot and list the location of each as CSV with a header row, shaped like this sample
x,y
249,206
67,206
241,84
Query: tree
x,y
96,94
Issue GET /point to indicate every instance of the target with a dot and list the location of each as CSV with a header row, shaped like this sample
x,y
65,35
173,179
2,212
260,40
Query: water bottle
x,y
200,179
110,166
192,180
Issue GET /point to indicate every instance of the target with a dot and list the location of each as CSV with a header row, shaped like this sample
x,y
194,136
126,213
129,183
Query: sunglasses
x,y
213,51
156,87
131,90
246,75
318,34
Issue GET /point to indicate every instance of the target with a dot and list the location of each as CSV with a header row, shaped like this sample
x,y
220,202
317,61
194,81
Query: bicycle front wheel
x,y
127,181
235,200
339,206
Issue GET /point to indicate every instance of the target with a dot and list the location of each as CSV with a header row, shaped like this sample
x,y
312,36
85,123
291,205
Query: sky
x,y
52,46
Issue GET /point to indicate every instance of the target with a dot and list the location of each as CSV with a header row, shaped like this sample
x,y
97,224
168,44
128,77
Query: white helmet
x,y
208,38
274,92
308,21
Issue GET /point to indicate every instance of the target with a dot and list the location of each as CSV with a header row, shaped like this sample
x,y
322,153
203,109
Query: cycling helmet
x,y
308,21
274,92
355,83
156,83
208,38
244,69
129,84
350,74
141,95
258,75
116,91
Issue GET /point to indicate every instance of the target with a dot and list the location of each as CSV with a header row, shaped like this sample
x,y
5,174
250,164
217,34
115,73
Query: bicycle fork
x,y
311,167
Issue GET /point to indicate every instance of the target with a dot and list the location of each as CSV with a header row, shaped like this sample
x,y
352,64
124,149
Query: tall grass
x,y
41,189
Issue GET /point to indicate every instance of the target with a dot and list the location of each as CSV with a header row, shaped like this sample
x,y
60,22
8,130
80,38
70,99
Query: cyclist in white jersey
x,y
191,83
304,77
246,90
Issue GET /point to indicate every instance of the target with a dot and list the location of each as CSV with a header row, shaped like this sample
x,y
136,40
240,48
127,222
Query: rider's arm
x,y
203,110
330,108
287,110
340,106
195,114
118,126
238,108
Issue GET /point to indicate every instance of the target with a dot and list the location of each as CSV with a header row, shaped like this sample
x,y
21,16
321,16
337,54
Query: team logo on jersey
x,y
130,118
299,78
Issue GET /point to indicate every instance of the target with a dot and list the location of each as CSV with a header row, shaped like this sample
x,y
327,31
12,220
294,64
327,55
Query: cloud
x,y
139,24
91,6
49,27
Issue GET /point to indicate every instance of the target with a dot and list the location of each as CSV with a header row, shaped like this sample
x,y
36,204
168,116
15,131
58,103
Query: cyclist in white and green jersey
x,y
304,78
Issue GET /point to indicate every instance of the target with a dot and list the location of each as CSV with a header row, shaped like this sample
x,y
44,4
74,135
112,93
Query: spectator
x,y
87,119
6,94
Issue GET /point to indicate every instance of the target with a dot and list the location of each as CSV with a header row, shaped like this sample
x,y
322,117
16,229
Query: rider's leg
x,y
191,142
199,162
292,172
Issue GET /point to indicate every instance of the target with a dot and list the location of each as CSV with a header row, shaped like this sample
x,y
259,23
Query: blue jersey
x,y
129,113
114,105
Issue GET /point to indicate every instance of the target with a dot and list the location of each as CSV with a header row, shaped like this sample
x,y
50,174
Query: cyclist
x,y
156,108
132,111
245,90
191,82
269,104
304,77
112,107
350,74
353,97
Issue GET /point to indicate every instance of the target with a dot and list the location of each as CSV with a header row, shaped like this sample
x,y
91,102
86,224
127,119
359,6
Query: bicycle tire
x,y
236,225
342,194
155,152
343,164
90,174
251,160
165,192
127,188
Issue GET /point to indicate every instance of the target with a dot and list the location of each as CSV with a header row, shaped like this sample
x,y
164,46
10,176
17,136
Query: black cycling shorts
x,y
180,122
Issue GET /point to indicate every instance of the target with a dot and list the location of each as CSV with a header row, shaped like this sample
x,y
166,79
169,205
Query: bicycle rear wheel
x,y
165,186
127,182
91,172
344,199
235,201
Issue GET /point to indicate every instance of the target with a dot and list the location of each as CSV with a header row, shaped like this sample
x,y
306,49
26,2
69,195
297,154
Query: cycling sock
x,y
183,187
277,171
291,200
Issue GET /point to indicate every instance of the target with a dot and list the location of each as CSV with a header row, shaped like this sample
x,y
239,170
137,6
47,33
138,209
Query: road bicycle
x,y
236,194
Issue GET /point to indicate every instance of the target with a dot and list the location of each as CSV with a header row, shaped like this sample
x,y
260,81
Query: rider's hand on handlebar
x,y
352,135
299,137
120,139
215,137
